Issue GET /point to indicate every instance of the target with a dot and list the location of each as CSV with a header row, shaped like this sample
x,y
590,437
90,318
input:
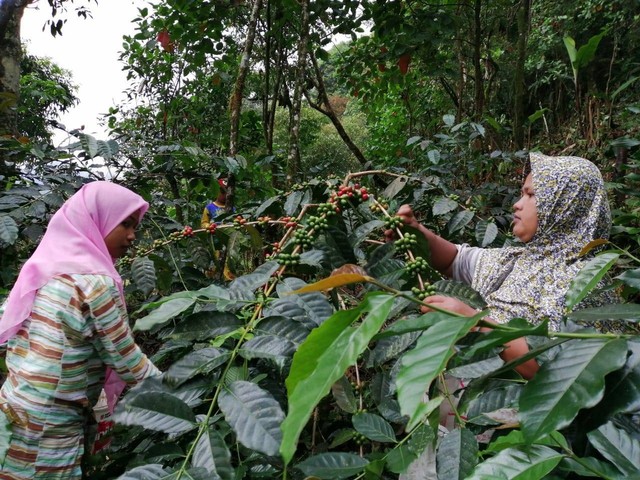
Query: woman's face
x,y
120,238
525,213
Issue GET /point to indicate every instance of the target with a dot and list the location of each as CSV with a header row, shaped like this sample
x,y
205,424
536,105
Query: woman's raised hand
x,y
448,303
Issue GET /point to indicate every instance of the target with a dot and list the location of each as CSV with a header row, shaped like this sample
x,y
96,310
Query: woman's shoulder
x,y
85,282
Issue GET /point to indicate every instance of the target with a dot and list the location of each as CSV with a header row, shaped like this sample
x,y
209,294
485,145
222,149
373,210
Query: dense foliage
x,y
289,333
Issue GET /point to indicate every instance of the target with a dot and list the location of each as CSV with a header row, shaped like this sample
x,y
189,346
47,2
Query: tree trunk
x,y
329,112
519,82
235,103
293,160
477,43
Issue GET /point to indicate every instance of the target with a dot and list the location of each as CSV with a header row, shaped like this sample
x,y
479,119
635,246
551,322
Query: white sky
x,y
90,50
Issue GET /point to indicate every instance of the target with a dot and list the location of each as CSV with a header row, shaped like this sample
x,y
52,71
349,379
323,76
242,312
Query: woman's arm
x,y
442,251
512,350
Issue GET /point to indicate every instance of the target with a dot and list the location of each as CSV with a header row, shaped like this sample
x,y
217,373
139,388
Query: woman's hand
x,y
405,212
448,303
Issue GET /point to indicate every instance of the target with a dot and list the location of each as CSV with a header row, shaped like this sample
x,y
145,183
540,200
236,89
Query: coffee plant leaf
x,y
211,453
259,277
490,401
341,437
206,324
163,452
457,454
590,467
337,246
399,459
324,357
618,311
313,258
333,282
195,363
333,466
211,292
534,461
390,348
194,473
461,291
8,231
314,304
159,411
413,324
270,347
152,471
631,278
588,277
143,272
254,415
283,327
167,311
572,381
389,271
421,365
272,205
477,369
374,427
395,187
169,349
443,205
289,308
486,233
342,392
364,230
37,209
617,446
459,221
292,203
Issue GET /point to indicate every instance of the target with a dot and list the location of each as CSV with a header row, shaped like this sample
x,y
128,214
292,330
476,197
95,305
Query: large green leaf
x,y
205,325
212,453
457,454
531,464
492,400
618,311
631,278
618,447
420,366
588,278
211,292
323,358
145,472
163,314
259,277
315,304
413,324
293,202
270,347
197,362
8,231
343,394
282,327
363,231
254,415
374,427
443,205
461,291
572,381
459,221
486,233
143,272
332,466
404,454
390,348
158,411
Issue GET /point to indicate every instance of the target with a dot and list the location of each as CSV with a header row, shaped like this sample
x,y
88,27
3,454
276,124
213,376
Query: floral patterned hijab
x,y
531,282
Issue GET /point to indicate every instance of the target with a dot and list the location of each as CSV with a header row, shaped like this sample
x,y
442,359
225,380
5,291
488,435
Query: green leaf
x,y
323,358
206,324
631,278
364,230
457,454
460,220
587,52
399,459
259,277
412,324
589,467
143,272
283,327
618,447
461,291
533,463
395,187
211,452
420,366
374,427
163,314
8,231
486,233
572,381
268,346
254,415
89,144
390,348
145,472
618,311
332,466
343,394
201,361
443,205
588,277
158,411
293,202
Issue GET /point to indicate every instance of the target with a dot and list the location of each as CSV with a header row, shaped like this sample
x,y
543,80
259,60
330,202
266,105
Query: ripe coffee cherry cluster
x,y
394,222
349,194
288,259
212,228
303,238
317,223
418,265
187,231
428,291
239,220
407,241
328,209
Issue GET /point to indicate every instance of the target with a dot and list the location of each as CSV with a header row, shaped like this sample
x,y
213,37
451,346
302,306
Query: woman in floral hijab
x,y
563,207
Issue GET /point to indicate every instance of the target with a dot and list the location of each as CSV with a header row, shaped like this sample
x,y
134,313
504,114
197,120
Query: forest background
x,y
430,103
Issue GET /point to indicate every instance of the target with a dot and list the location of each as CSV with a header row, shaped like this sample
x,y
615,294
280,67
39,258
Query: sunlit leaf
x,y
588,278
163,314
374,427
532,463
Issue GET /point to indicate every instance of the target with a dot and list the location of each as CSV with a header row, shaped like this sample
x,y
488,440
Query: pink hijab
x,y
73,243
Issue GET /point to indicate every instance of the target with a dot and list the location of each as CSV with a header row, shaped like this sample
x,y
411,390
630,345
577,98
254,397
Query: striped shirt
x,y
56,362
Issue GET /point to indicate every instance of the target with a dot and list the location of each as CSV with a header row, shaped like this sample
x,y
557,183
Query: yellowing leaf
x,y
333,282
591,245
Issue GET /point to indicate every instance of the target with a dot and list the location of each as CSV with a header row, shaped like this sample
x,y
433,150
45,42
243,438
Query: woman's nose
x,y
131,236
517,206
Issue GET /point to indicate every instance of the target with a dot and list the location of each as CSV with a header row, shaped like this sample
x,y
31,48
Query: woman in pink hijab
x,y
66,324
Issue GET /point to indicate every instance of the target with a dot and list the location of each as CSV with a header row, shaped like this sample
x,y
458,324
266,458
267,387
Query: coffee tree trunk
x,y
293,160
235,104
